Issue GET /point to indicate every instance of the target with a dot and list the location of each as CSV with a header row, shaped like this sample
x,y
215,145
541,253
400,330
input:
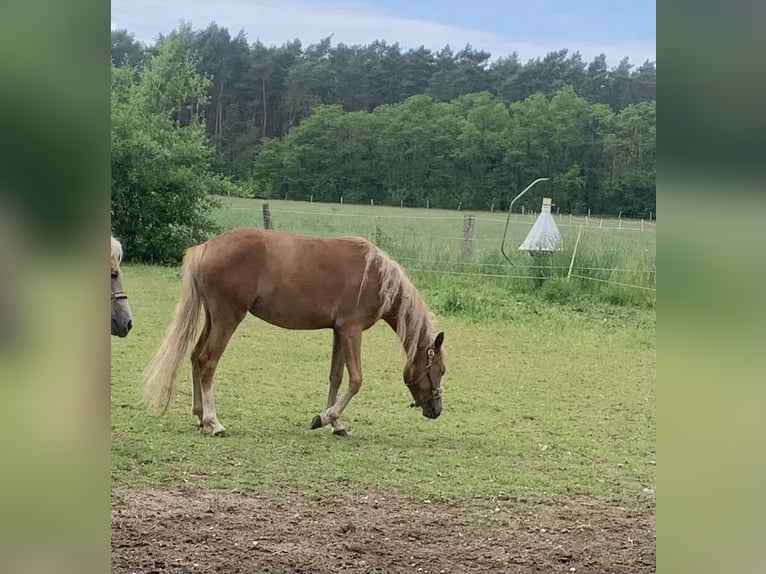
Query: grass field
x,y
552,403
542,460
614,262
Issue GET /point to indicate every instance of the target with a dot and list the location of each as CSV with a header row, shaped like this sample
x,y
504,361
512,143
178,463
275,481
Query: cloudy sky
x,y
531,28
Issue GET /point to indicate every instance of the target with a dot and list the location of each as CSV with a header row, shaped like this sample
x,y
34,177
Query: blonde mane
x,y
414,321
116,251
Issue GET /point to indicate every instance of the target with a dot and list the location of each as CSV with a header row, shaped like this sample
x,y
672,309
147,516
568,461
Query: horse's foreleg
x,y
351,344
336,377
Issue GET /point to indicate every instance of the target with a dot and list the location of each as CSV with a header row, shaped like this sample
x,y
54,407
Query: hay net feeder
x,y
544,237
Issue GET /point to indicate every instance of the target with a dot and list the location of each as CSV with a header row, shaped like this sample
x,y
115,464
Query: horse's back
x,y
290,280
281,251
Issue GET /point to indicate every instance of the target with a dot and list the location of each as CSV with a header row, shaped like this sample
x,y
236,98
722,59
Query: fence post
x,y
574,252
372,202
341,200
492,207
266,216
467,244
312,198
427,204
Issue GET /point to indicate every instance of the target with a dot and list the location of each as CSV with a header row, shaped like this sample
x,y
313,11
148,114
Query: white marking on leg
x,y
209,418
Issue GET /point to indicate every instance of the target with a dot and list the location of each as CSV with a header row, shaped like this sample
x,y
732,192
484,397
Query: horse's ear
x,y
438,341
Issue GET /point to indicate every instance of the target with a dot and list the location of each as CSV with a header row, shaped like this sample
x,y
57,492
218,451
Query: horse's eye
x,y
444,370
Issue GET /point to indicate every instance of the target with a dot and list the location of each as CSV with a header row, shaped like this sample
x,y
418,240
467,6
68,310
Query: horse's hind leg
x,y
221,331
196,369
336,377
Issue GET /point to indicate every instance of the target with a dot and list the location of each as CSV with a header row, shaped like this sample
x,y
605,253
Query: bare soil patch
x,y
164,530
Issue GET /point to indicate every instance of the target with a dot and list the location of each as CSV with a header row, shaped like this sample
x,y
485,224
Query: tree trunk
x,y
219,117
263,95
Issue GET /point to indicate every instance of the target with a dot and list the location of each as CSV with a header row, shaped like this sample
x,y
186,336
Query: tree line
x,y
259,91
378,122
472,152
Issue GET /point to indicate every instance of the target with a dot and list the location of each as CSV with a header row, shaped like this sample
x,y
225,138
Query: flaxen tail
x,y
161,376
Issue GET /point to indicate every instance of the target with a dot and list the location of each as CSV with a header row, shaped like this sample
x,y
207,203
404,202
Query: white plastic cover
x,y
544,235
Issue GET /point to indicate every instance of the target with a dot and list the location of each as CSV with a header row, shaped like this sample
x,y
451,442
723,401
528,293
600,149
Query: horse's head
x,y
122,320
423,377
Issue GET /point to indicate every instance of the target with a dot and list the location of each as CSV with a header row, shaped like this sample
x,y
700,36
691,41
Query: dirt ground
x,y
186,530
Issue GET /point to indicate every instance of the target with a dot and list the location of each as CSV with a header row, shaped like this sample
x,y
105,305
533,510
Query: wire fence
x,y
589,222
429,235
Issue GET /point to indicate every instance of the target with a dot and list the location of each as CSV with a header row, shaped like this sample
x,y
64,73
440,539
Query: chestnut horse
x,y
122,320
295,282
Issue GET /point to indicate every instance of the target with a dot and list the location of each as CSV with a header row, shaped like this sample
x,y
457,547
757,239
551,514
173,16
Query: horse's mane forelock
x,y
413,317
116,250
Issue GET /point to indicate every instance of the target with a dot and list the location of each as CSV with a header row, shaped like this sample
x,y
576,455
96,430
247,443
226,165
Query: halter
x,y
436,392
117,295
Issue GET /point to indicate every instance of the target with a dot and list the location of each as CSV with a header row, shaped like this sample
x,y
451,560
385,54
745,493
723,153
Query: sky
x,y
530,28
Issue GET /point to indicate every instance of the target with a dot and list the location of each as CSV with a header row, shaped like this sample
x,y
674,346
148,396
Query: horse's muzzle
x,y
432,409
121,329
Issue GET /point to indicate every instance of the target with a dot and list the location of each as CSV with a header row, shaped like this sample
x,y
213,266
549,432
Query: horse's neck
x,y
419,337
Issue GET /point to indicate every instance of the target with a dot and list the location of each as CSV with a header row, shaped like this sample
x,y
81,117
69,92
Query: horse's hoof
x,y
340,432
316,422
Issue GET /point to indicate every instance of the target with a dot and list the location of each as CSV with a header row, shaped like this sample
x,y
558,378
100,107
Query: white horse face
x,y
122,319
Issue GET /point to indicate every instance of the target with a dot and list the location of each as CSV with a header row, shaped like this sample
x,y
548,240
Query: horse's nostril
x,y
130,325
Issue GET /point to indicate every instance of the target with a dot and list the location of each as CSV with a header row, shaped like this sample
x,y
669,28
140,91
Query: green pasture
x,y
541,399
614,262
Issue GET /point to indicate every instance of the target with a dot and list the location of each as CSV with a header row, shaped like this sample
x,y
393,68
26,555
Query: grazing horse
x,y
295,282
122,320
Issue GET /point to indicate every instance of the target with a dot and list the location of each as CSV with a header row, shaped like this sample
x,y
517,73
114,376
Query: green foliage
x,y
126,51
472,152
395,143
381,238
559,290
161,183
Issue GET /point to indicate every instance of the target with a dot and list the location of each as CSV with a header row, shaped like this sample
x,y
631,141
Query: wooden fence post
x,y
467,244
266,216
